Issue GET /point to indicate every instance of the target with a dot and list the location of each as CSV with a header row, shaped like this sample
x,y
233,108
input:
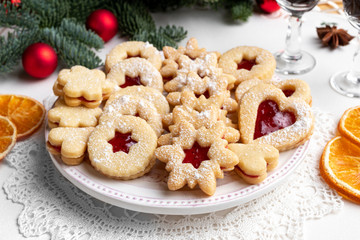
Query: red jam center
x,y
129,81
122,142
206,94
56,148
270,119
246,64
85,100
196,155
247,175
288,92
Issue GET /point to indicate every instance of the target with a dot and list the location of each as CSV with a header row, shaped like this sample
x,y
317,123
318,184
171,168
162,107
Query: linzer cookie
x,y
247,62
70,143
267,116
150,94
122,147
62,115
197,157
292,88
199,113
135,71
135,106
132,49
172,57
82,86
255,160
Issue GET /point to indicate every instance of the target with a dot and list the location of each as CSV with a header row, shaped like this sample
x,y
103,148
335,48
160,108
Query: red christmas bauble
x,y
39,60
104,23
268,6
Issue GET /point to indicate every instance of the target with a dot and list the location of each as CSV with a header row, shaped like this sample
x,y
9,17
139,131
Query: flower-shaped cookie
x,y
247,62
267,116
135,106
132,49
64,116
135,71
255,160
70,142
80,85
197,157
150,94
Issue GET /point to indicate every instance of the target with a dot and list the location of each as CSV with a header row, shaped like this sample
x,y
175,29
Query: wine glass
x,y
348,82
293,60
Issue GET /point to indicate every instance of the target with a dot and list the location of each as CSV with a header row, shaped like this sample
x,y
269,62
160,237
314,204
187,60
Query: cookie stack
x,y
199,112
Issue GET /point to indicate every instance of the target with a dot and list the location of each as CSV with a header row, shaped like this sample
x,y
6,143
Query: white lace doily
x,y
53,205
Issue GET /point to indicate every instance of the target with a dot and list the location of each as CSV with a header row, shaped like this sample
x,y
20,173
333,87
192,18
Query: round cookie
x,y
247,62
150,94
136,71
122,148
133,49
135,106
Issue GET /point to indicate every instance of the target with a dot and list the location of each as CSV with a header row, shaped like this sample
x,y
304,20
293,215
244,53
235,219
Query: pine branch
x,y
71,52
50,12
13,46
132,17
175,33
78,32
82,9
11,16
240,10
168,5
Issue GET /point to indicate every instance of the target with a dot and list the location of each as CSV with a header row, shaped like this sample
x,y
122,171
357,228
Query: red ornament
x,y
104,23
268,6
39,60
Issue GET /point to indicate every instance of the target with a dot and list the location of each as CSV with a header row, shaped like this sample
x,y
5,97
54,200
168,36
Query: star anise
x,y
333,37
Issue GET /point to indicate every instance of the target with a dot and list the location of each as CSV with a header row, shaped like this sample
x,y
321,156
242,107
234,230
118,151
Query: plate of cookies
x,y
182,131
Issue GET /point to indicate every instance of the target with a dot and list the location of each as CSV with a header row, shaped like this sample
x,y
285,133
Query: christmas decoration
x,y
104,23
333,37
268,6
39,60
61,24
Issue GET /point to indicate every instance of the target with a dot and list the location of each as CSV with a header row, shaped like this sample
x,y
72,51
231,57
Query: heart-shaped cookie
x,y
267,116
292,88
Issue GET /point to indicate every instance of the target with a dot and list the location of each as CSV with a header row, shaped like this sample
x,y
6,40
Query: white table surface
x,y
215,32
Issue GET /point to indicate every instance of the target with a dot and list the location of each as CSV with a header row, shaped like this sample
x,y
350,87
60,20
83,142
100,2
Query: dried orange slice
x,y
349,125
340,167
7,136
26,113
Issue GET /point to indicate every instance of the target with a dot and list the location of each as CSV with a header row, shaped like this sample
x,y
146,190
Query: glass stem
x,y
293,39
354,74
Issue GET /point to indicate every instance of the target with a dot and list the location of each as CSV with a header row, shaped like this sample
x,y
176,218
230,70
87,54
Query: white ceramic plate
x,y
150,193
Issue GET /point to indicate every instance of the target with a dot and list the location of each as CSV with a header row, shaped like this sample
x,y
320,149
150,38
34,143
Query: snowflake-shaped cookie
x,y
200,113
197,157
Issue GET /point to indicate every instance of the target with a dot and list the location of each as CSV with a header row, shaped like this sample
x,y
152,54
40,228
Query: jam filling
x,y
129,81
85,100
122,142
247,175
288,92
56,148
246,64
206,94
196,155
270,119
